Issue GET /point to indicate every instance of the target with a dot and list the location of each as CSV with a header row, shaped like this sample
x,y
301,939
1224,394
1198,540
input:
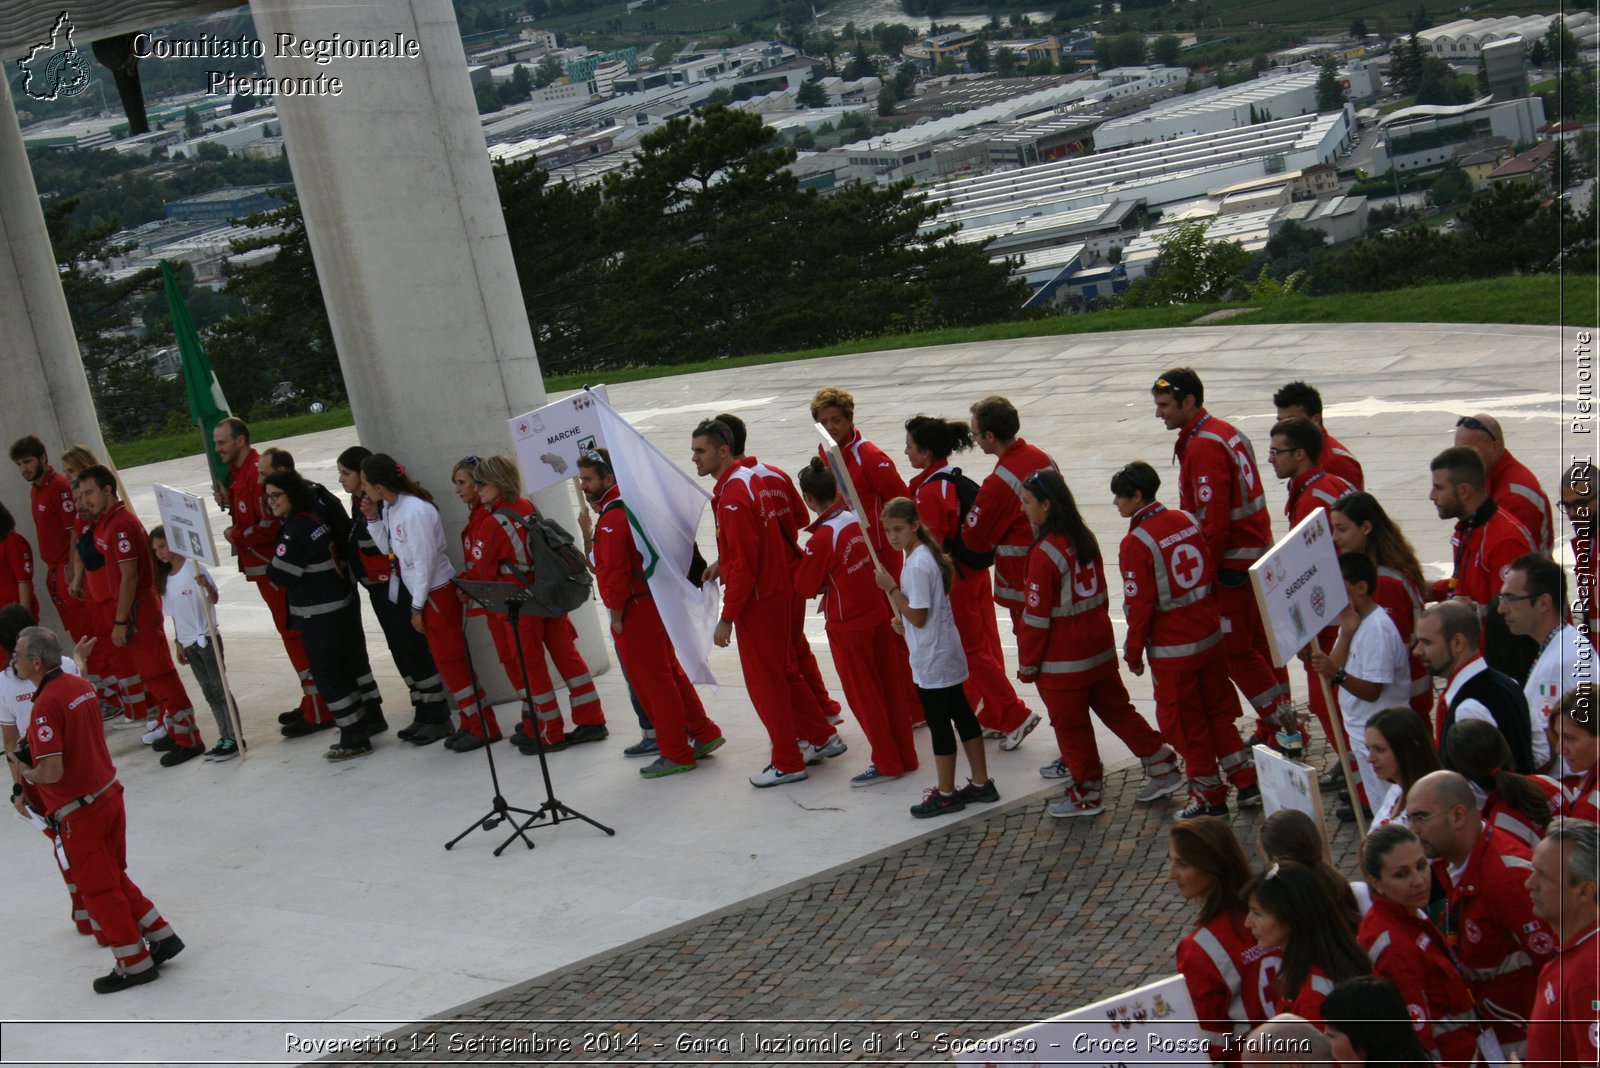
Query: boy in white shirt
x,y
187,597
1368,668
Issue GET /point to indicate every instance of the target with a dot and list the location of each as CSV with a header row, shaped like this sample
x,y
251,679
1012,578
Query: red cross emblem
x,y
1187,564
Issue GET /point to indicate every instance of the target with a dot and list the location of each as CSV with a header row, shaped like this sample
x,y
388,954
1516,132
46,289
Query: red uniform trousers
x,y
105,660
155,676
1249,657
444,625
312,706
806,662
876,675
669,698
1196,709
75,614
783,700
1069,708
539,708
988,687
95,838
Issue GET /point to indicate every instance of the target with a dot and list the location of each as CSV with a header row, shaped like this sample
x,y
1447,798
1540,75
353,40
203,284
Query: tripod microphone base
x,y
500,813
555,812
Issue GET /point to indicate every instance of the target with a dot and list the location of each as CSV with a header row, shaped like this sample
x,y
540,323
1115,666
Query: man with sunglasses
x,y
1533,602
1220,485
1578,497
1511,484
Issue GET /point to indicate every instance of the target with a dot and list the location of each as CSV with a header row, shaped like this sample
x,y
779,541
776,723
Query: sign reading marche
x,y
1298,586
549,439
188,525
1153,1025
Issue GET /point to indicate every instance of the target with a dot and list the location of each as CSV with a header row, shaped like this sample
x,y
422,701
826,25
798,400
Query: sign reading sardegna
x,y
321,51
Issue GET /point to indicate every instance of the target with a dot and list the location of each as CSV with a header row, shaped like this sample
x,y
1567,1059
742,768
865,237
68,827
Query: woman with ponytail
x,y
1360,525
1520,805
938,665
403,521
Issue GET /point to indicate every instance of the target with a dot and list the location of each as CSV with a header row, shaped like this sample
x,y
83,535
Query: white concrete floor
x,y
318,899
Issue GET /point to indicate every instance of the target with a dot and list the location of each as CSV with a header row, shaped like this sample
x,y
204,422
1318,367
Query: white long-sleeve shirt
x,y
410,529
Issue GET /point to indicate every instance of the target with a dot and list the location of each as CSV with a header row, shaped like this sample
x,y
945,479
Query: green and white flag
x,y
207,405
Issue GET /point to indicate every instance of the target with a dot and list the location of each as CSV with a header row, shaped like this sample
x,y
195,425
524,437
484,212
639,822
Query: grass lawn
x,y
1532,300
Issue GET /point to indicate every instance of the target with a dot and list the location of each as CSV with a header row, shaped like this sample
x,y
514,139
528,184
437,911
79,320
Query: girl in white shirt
x,y
921,599
407,525
187,597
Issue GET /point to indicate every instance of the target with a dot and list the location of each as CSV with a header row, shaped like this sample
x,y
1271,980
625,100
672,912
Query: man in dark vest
x,y
1447,643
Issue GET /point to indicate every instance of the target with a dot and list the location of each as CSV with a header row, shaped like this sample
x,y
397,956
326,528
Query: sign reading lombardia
x,y
549,439
1298,586
1153,1025
188,525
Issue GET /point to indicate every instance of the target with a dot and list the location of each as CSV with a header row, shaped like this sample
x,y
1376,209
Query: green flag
x,y
207,405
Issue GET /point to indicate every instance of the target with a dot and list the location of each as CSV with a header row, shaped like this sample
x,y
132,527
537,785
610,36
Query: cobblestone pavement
x,y
971,930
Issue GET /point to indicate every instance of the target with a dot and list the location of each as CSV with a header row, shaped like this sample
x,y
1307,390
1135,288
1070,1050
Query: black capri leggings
x,y
948,715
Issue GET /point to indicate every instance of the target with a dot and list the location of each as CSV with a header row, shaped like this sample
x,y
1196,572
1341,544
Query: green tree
x,y
521,82
1561,45
1191,270
1127,49
905,81
1330,94
1450,188
1538,55
1358,27
1441,85
893,37
947,65
978,55
191,123
1165,51
488,99
1005,62
810,95
549,71
886,99
860,65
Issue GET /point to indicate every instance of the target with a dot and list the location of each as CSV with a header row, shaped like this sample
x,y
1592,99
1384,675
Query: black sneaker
x,y
1250,797
286,718
182,755
339,753
163,745
1197,807
427,733
110,984
587,732
984,793
1331,778
936,804
165,949
225,750
467,744
302,727
528,747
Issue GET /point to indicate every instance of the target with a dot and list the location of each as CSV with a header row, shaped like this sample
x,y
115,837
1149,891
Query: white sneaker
x,y
1014,738
771,776
153,735
816,754
1159,787
1056,769
1070,806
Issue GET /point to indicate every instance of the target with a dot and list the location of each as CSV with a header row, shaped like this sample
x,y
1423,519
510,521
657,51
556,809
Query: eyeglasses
x,y
1515,597
594,457
1422,817
1472,424
1274,452
1035,481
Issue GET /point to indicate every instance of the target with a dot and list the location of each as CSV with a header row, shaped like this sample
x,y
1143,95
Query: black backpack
x,y
549,563
966,493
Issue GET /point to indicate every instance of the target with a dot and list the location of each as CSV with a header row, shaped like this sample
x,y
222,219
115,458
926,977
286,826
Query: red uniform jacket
x,y
1307,1001
1490,924
876,479
1338,460
119,536
1564,1028
1317,488
1227,974
66,723
1514,821
756,554
1484,543
837,564
1517,492
937,504
504,540
1403,602
996,523
618,564
477,561
1066,640
1408,950
1220,485
16,566
781,501
1582,802
254,535
1166,590
54,517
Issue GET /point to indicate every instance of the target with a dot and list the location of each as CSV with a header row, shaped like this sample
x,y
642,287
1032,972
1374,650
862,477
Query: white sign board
x,y
188,525
549,439
1153,1025
1289,784
1298,586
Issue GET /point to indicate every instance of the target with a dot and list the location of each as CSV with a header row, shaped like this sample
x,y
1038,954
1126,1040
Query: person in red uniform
x,y
871,470
1219,484
758,596
1486,539
1511,484
995,523
1172,617
1579,746
874,669
1296,456
55,525
137,625
70,766
1488,920
16,566
684,733
254,538
1408,950
1580,490
935,489
1300,400
1289,911
499,484
101,668
1067,648
1226,972
1564,1027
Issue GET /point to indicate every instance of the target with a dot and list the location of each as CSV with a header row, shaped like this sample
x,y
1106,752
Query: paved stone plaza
x,y
317,900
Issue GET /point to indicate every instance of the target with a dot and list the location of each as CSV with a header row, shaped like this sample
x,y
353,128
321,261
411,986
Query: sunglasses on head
x,y
1473,424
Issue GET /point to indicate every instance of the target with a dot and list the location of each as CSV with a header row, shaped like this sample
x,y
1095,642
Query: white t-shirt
x,y
937,659
1389,809
1567,660
1376,655
16,697
186,604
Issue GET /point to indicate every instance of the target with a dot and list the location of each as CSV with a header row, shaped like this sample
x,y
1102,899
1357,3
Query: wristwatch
x,y
1339,677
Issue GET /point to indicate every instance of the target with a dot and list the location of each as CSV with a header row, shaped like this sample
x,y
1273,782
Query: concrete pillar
x,y
410,244
43,390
